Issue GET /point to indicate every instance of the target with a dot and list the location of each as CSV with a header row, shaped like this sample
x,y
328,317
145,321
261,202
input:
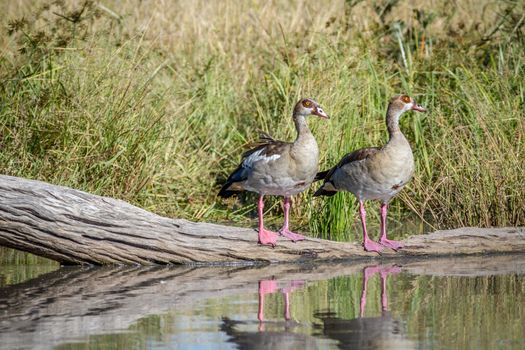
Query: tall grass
x,y
154,102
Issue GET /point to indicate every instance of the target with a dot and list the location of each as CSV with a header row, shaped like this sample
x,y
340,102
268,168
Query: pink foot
x,y
389,270
267,237
391,244
371,246
293,286
294,237
267,286
370,270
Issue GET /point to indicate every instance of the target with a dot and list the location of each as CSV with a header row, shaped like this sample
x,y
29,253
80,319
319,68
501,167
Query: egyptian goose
x,y
279,168
376,172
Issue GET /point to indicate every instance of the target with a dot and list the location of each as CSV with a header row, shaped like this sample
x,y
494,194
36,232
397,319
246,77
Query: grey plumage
x,y
374,172
276,167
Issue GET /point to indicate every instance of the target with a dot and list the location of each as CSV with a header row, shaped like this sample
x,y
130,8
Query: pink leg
x,y
383,240
260,311
286,306
367,272
266,237
286,290
370,246
265,287
384,273
284,231
384,296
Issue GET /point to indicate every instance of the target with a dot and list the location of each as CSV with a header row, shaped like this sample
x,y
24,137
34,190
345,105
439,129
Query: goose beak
x,y
418,108
320,113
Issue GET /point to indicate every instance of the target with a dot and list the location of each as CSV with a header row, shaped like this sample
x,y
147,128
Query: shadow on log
x,y
74,227
75,302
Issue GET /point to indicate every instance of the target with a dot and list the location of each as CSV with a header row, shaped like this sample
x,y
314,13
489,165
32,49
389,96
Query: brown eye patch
x,y
405,98
307,104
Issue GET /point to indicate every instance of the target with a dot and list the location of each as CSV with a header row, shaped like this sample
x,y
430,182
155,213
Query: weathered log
x,y
76,302
75,227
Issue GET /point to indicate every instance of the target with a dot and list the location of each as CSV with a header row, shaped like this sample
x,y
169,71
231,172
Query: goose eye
x,y
405,98
307,104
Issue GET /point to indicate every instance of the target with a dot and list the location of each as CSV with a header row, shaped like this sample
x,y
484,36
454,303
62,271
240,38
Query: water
x,y
462,303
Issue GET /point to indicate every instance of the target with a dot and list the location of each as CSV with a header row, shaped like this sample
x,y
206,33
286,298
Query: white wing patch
x,y
258,156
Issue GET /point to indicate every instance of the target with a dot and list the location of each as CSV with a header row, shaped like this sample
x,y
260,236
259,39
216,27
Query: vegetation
x,y
18,267
154,104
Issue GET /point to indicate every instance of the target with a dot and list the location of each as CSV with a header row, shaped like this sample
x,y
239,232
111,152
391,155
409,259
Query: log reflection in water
x,y
77,302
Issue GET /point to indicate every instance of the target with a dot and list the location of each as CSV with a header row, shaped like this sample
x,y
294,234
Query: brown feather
x,y
327,188
269,147
354,156
267,143
358,155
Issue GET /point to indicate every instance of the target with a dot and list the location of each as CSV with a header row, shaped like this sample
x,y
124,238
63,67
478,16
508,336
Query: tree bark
x,y
74,227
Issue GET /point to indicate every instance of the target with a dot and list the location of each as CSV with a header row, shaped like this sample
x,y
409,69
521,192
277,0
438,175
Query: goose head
x,y
307,106
403,103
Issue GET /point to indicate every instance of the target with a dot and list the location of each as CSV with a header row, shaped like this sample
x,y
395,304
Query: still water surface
x,y
466,303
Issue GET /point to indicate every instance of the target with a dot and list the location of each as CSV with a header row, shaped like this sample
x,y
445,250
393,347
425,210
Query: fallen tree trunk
x,y
75,227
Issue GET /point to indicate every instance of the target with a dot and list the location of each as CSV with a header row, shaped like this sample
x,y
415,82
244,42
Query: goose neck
x,y
301,126
392,122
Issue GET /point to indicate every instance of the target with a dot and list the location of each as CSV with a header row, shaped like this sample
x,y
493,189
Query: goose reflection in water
x,y
269,287
283,334
383,332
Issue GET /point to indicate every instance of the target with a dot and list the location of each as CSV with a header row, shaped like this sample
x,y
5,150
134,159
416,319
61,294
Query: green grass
x,y
126,102
18,267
